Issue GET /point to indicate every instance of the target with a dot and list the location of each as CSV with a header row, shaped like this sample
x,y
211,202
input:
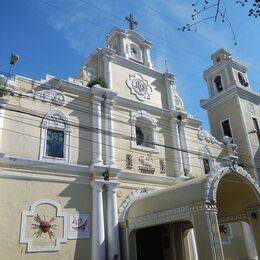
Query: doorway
x,y
149,244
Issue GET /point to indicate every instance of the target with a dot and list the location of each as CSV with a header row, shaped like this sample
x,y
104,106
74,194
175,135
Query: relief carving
x,y
139,86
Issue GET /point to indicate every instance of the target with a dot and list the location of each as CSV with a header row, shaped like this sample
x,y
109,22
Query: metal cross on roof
x,y
131,21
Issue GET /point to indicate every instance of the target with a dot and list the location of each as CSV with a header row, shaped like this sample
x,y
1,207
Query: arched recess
x,y
55,123
204,201
237,175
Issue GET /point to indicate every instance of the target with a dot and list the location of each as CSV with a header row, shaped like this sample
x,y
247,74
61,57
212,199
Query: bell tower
x,y
233,108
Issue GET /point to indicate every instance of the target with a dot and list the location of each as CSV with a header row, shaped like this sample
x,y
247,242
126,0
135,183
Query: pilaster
x,y
106,58
169,84
96,133
123,52
147,56
112,221
192,245
207,235
184,148
178,164
109,139
249,242
98,231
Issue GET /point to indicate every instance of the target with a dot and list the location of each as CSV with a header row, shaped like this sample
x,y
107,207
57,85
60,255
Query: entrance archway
x,y
224,195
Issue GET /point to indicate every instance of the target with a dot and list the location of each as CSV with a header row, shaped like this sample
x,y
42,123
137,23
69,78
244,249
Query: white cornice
x,y
47,166
216,67
148,178
229,93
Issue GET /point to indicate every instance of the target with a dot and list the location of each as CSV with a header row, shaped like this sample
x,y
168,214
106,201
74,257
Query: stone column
x,y
192,245
249,241
255,224
109,139
123,52
3,102
124,239
112,221
147,56
207,236
107,70
178,167
96,134
98,231
184,146
178,241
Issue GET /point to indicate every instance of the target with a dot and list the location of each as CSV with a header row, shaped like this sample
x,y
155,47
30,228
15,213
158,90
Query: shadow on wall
x,y
79,196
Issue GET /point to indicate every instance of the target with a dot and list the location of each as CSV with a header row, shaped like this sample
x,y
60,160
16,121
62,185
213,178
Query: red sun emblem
x,y
44,226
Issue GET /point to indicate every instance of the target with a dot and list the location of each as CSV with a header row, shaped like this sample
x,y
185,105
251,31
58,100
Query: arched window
x,y
242,79
206,159
143,131
55,136
218,83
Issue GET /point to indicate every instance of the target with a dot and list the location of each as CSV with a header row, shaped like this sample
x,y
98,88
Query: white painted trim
x,y
207,155
30,213
48,123
133,119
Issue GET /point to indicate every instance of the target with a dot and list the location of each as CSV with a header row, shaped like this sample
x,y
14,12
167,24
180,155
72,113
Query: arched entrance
x,y
222,196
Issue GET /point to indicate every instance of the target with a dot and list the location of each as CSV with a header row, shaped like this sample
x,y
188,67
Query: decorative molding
x,y
57,120
143,115
129,161
139,86
122,211
204,135
49,95
215,176
31,213
168,216
162,166
146,164
233,218
179,104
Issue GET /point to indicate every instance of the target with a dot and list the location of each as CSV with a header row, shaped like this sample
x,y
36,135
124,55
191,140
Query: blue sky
x,y
55,37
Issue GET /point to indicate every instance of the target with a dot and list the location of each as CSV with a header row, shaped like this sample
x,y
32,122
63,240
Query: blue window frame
x,y
55,143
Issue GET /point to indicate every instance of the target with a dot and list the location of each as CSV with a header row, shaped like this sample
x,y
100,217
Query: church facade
x,y
110,165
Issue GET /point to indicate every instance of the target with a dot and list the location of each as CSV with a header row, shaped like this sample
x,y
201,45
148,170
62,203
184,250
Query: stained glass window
x,y
55,143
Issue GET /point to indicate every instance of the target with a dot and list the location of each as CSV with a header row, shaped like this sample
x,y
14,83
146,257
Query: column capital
x,y
147,44
97,185
169,76
109,96
111,186
97,92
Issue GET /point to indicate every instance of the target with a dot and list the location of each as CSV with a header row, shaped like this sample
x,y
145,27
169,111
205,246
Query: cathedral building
x,y
109,164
